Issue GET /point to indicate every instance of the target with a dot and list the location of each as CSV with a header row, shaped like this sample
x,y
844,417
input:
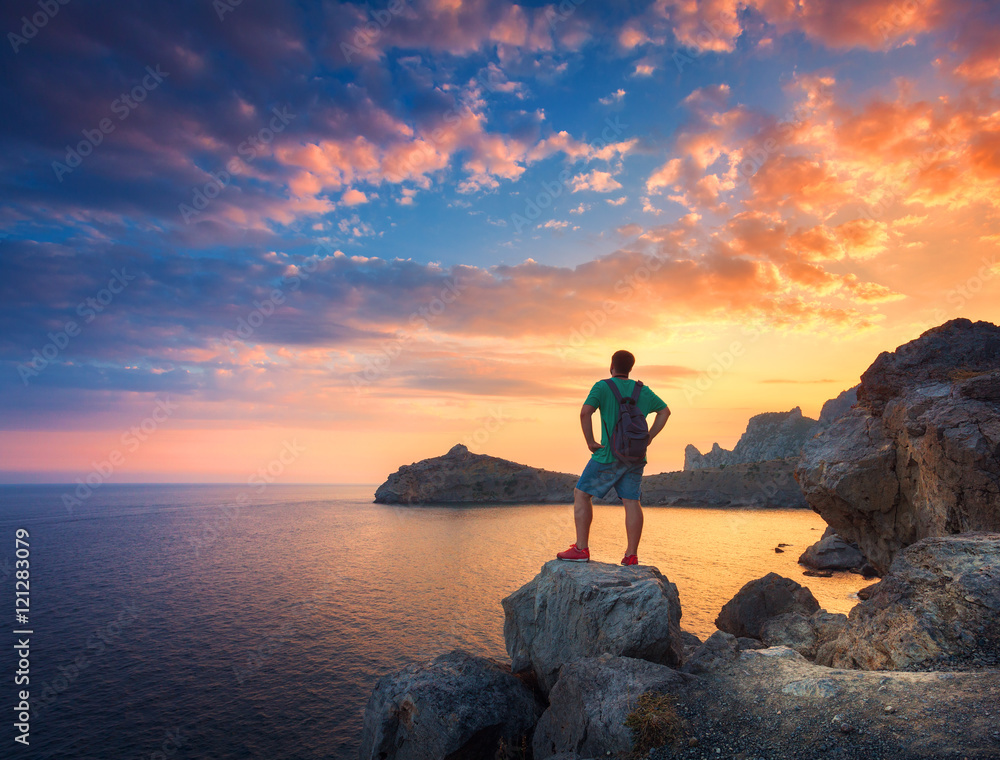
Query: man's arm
x,y
659,422
587,423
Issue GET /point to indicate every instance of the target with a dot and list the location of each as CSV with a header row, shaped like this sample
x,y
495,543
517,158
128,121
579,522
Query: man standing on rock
x,y
604,471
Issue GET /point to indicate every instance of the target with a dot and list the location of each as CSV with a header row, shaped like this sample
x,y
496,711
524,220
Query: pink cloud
x,y
596,180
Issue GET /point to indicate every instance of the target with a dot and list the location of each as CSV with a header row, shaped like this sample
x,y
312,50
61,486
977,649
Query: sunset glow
x,y
367,233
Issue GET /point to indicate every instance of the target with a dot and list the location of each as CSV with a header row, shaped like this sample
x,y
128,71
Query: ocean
x,y
224,622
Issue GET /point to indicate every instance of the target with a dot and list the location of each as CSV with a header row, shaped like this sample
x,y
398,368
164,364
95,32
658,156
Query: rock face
x,y
920,453
589,703
832,553
938,606
757,484
759,600
575,610
457,706
466,478
772,435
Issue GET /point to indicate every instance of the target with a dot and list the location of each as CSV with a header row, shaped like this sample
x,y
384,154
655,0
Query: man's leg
x,y
633,525
583,516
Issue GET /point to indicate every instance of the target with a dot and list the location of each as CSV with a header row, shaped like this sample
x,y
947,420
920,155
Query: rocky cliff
x,y
461,477
757,484
919,455
771,435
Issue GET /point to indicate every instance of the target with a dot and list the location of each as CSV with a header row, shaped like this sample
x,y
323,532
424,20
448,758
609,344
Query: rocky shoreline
x,y
462,477
601,667
586,640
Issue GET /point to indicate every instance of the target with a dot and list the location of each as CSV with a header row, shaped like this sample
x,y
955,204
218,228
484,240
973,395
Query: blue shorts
x,y
599,478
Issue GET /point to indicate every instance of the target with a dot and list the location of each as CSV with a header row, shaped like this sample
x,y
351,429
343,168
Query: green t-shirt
x,y
601,397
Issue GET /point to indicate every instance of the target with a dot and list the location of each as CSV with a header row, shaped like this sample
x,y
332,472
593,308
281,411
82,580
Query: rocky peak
x,y
836,408
770,435
458,450
956,350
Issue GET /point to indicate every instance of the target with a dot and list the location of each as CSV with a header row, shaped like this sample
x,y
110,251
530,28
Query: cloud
x,y
616,97
709,25
353,198
596,180
629,230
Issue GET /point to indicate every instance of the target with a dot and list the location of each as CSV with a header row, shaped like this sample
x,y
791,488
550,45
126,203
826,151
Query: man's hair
x,y
622,361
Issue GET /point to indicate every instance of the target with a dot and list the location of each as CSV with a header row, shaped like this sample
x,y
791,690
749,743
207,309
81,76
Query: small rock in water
x,y
778,551
784,544
818,573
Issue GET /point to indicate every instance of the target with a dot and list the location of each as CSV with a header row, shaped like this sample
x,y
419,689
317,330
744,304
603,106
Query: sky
x,y
315,241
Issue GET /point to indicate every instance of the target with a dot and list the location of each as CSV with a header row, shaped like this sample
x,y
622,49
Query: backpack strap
x,y
618,396
636,391
614,389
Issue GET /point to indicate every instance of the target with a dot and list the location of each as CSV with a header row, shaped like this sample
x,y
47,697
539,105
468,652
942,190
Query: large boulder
x,y
718,651
939,606
761,599
590,701
920,453
574,610
832,553
457,706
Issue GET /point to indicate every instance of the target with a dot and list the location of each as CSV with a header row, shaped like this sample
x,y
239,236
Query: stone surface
x,y
590,701
939,606
466,478
832,553
803,633
771,435
919,455
457,706
719,650
760,599
574,610
773,703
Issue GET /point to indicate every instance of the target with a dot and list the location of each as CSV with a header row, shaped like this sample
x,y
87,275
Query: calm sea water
x,y
181,620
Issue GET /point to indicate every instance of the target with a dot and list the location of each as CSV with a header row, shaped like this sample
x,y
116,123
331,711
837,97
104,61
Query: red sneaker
x,y
572,554
630,559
